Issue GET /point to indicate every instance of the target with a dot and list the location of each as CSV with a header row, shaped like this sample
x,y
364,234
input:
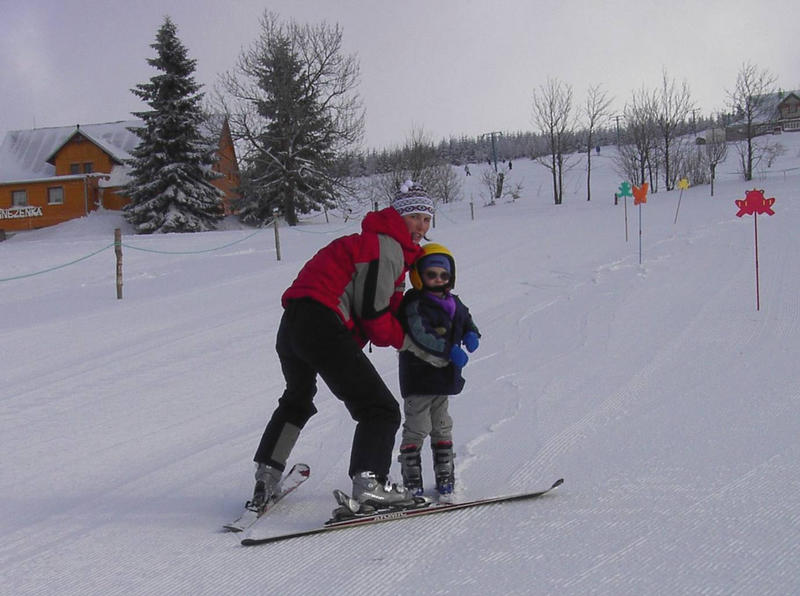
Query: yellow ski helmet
x,y
430,249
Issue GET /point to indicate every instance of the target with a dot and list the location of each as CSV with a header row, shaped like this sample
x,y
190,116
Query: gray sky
x,y
448,67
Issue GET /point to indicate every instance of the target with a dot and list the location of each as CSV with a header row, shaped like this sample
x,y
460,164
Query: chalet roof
x,y
112,150
771,103
26,154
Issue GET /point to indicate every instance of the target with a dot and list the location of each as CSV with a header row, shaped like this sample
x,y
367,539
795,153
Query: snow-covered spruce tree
x,y
285,174
171,169
292,104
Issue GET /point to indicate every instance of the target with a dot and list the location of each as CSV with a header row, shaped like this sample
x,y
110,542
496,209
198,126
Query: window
x,y
19,198
55,195
88,168
74,168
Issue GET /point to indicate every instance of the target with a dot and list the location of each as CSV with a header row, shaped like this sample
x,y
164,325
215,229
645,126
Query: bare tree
x,y
293,109
691,161
595,110
716,152
418,160
747,101
772,151
489,183
446,184
637,156
552,114
674,105
498,185
627,162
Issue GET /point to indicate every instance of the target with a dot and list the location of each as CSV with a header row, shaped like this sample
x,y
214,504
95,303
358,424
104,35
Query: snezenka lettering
x,y
20,212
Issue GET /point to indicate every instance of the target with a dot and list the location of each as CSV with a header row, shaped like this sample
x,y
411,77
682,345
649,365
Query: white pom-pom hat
x,y
412,198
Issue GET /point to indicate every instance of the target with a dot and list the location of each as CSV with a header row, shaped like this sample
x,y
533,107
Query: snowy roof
x,y
24,154
770,103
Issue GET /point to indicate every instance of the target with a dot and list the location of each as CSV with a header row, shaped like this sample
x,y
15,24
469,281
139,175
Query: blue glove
x,y
458,356
471,341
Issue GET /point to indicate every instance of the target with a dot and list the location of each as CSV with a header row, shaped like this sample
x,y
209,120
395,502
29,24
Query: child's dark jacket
x,y
425,367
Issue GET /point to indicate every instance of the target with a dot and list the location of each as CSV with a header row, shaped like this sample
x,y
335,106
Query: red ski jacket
x,y
361,277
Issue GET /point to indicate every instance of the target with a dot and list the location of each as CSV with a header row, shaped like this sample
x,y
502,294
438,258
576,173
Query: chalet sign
x,y
20,212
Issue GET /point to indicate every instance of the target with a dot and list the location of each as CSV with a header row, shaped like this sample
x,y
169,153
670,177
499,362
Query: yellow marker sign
x,y
683,184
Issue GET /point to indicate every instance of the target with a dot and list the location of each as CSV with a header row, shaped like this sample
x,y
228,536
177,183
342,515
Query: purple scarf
x,y
448,303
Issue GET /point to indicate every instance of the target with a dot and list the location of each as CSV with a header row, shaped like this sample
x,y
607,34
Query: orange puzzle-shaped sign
x,y
640,194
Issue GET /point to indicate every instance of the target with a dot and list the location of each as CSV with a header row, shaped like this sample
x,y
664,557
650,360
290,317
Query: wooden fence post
x,y
277,237
118,251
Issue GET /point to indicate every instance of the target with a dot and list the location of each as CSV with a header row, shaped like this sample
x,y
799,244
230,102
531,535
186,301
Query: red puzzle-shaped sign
x,y
755,203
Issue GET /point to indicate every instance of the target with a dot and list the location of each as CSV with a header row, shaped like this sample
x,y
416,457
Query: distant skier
x,y
436,324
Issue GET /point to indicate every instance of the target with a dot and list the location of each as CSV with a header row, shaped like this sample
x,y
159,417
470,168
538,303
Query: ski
x,y
296,476
385,515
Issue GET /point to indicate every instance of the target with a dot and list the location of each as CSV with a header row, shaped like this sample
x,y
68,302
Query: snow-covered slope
x,y
667,402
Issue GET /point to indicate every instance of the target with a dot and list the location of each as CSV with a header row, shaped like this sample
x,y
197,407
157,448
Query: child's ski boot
x,y
411,468
444,468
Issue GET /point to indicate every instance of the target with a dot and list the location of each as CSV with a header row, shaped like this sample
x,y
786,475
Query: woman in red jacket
x,y
346,295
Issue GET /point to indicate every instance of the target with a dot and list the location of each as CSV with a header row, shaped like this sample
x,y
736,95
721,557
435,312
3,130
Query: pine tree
x,y
287,175
295,110
171,169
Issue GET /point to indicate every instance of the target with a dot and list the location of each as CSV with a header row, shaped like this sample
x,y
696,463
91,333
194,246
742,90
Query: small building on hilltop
x,y
51,175
789,111
779,112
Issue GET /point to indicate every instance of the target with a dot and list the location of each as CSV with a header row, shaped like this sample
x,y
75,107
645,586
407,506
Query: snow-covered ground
x,y
667,402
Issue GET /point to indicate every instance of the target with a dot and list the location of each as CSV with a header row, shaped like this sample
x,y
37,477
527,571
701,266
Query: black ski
x,y
395,514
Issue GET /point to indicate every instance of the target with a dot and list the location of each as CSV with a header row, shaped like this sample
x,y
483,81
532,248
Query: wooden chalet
x,y
51,175
779,113
789,111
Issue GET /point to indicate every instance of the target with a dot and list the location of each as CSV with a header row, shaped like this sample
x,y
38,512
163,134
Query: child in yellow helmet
x,y
436,323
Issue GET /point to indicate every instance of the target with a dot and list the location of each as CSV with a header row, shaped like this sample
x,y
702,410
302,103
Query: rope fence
x,y
49,269
190,252
117,245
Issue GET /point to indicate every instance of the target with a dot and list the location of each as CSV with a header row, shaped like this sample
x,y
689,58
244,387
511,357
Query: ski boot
x,y
411,468
378,493
444,468
268,484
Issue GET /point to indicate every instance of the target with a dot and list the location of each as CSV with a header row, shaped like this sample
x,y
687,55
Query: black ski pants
x,y
313,340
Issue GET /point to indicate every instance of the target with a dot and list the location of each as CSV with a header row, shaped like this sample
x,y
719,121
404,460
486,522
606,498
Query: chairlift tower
x,y
493,135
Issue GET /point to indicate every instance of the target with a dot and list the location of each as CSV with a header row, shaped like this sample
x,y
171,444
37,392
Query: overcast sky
x,y
448,67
